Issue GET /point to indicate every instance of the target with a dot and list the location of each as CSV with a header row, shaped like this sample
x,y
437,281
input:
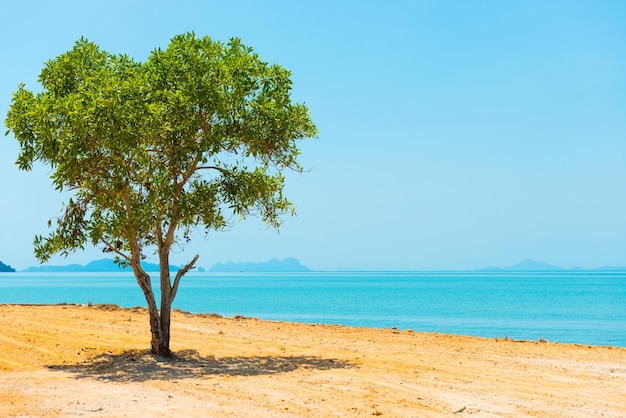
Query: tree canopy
x,y
194,137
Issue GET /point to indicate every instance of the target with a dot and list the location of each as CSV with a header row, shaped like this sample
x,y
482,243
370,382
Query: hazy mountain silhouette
x,y
107,265
103,265
533,265
274,265
4,268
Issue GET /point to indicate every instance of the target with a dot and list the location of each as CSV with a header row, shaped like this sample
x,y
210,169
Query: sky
x,y
452,134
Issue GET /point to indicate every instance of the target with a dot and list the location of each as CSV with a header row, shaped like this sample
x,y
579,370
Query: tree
x,y
193,138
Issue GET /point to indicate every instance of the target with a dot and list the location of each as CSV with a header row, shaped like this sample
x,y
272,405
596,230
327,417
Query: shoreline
x,y
69,360
114,306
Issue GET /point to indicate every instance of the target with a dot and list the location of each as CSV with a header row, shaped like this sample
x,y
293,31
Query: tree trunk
x,y
163,344
159,326
155,327
160,320
156,330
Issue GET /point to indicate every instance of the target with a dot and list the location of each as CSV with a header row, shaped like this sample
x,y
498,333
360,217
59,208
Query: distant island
x,y
274,265
528,265
4,268
107,265
288,265
532,265
103,265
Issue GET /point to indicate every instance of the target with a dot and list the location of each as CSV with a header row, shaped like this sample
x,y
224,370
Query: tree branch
x,y
179,276
142,277
212,167
115,250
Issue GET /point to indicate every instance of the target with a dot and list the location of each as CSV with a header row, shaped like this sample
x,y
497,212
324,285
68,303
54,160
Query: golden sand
x,y
92,361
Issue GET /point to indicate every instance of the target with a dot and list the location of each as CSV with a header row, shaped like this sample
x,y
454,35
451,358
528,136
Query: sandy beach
x,y
92,361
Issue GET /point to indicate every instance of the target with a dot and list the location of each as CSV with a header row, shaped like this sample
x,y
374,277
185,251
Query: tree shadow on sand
x,y
139,366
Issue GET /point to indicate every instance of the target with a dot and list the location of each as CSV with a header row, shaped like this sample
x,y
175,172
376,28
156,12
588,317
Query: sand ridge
x,y
71,360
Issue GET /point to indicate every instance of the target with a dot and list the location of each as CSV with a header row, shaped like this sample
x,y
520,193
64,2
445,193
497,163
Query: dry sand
x,y
92,361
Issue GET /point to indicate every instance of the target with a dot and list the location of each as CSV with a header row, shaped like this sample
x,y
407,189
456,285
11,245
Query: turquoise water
x,y
584,307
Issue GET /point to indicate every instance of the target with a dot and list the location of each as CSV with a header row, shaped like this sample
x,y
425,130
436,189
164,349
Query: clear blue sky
x,y
453,134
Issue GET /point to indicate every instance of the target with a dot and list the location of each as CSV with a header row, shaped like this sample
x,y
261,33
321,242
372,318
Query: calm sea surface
x,y
584,307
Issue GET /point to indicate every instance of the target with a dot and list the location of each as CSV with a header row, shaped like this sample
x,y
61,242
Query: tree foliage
x,y
193,137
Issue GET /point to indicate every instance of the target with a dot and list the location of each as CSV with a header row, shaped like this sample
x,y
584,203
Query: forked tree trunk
x,y
160,343
160,319
159,327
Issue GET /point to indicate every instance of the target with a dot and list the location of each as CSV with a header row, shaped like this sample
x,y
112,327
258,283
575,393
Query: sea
x,y
566,306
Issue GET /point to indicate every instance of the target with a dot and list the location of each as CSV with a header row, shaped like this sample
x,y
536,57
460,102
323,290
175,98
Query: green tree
x,y
193,138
